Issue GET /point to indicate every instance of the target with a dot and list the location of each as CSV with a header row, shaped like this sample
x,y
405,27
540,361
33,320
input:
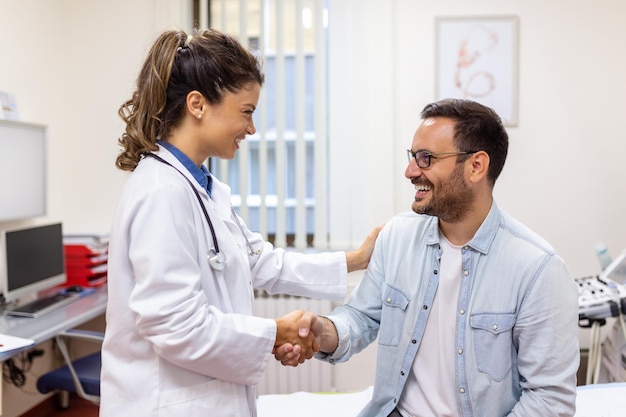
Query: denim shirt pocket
x,y
493,334
392,316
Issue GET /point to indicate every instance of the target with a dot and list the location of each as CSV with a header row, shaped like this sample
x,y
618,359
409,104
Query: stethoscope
x,y
217,260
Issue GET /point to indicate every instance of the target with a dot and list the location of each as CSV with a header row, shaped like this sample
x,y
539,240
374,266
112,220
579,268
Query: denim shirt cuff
x,y
339,355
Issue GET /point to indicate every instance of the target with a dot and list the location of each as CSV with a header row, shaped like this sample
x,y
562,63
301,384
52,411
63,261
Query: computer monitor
x,y
32,259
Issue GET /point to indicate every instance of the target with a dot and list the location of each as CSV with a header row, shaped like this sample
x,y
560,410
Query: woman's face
x,y
224,125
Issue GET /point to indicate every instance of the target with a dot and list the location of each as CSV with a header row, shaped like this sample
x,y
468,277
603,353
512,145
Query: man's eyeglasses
x,y
423,158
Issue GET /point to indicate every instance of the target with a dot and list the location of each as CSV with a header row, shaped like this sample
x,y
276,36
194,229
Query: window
x,y
278,177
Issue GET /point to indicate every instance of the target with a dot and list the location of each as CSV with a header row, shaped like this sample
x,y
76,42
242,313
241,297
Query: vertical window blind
x,y
279,176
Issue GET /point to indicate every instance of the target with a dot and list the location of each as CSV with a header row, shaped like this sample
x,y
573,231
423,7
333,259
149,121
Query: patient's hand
x,y
294,342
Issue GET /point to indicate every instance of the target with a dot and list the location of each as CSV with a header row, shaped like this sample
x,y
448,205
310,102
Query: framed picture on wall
x,y
477,59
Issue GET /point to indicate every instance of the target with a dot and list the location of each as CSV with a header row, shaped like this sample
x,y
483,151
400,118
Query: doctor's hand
x,y
310,325
294,340
360,258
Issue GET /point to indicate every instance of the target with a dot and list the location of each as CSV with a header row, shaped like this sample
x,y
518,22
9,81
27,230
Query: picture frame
x,y
477,59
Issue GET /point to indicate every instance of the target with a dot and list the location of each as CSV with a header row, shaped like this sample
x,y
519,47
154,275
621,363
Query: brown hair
x,y
477,128
210,62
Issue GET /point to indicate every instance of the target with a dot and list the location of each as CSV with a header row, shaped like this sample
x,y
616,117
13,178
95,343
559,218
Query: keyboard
x,y
41,306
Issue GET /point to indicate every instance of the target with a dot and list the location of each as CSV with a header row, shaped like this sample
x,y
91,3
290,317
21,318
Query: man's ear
x,y
195,104
479,167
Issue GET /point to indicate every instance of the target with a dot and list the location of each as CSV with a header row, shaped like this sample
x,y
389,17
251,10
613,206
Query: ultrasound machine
x,y
600,297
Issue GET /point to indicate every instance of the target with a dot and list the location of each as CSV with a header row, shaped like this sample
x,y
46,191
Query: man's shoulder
x,y
409,225
519,231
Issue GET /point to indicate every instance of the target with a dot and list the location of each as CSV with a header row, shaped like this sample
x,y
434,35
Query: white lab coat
x,y
181,339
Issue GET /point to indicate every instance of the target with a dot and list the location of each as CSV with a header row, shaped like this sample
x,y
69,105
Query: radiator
x,y
311,376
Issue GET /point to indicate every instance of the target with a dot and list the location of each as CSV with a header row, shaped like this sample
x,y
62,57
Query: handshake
x,y
300,334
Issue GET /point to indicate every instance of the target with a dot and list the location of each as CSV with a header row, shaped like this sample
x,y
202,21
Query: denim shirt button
x,y
460,351
425,307
414,341
495,327
461,312
466,273
389,299
462,390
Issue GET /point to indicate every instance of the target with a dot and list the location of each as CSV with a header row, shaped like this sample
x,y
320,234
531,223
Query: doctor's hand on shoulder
x,y
360,258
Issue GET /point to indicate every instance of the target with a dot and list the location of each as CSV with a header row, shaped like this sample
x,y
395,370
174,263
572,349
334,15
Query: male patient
x,y
475,314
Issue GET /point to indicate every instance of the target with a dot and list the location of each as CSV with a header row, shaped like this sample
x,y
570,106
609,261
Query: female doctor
x,y
181,339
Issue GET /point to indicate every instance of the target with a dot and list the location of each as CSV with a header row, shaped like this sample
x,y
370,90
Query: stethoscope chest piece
x,y
217,260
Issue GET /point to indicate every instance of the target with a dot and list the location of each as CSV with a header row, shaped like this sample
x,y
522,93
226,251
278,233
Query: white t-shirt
x,y
430,387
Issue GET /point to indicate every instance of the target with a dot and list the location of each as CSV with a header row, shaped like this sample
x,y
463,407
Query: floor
x,y
78,408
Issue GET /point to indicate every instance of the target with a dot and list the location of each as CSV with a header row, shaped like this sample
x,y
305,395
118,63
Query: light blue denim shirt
x,y
516,347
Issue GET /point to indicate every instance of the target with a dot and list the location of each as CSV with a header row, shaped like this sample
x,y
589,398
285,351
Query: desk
x,y
48,326
86,308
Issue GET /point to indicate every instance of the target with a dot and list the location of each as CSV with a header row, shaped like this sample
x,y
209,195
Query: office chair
x,y
80,376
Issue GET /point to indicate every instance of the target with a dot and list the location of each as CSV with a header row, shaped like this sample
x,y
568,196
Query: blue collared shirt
x,y
201,174
517,350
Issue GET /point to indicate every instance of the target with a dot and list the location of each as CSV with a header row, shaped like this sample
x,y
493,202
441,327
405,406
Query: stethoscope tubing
x,y
204,210
217,259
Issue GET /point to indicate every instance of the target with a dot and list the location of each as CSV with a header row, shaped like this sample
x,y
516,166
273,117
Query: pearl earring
x,y
199,115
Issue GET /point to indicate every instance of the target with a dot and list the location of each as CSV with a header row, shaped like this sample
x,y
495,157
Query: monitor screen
x,y
32,260
23,170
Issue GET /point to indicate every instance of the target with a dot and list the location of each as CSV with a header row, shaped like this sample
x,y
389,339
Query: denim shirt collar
x,y
486,233
201,174
484,236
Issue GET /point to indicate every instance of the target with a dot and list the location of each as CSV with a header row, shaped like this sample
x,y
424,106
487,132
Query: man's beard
x,y
450,200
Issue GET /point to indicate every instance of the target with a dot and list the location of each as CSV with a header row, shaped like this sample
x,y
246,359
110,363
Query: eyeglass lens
x,y
422,158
